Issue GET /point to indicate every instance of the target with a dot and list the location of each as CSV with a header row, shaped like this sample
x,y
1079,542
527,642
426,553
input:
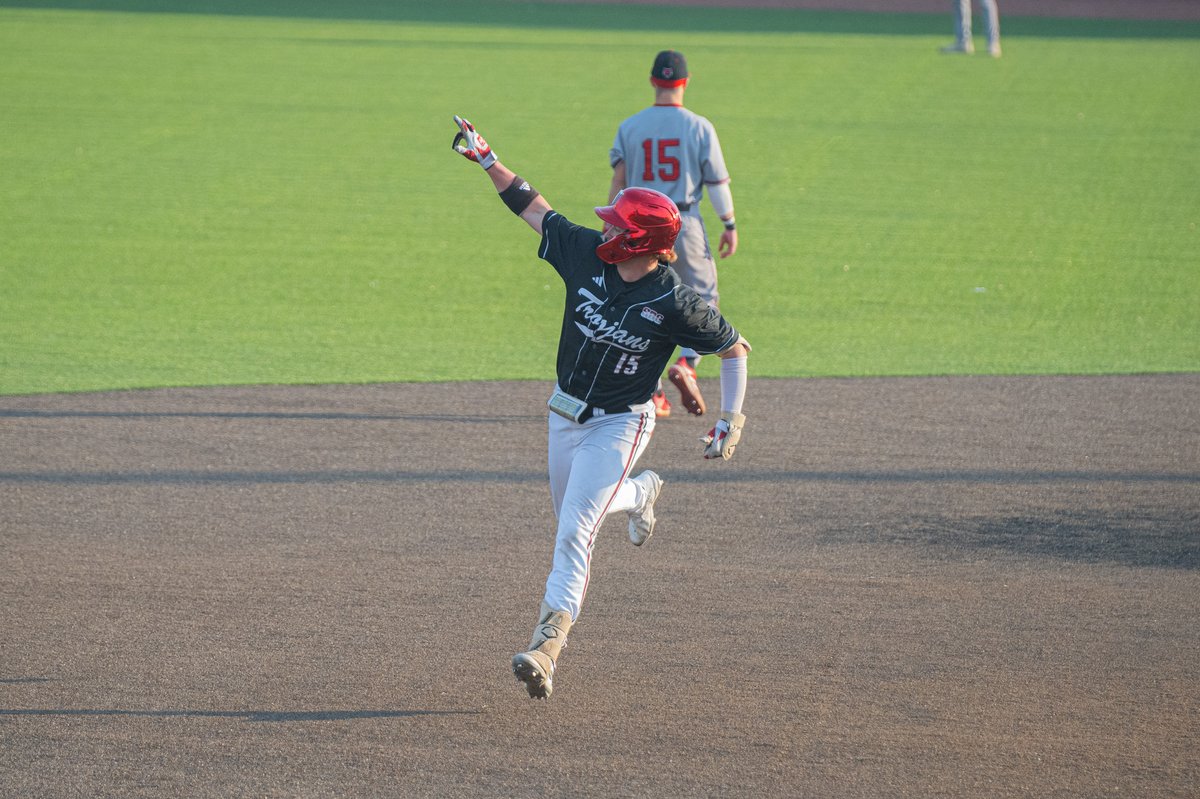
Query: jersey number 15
x,y
668,165
627,364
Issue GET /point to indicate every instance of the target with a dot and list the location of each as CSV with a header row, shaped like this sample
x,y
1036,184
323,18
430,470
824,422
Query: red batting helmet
x,y
650,222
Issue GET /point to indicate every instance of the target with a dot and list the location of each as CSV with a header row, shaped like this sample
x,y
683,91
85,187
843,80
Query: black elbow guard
x,y
518,195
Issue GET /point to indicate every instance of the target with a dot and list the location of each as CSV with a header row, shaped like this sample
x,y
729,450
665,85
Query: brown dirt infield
x,y
937,587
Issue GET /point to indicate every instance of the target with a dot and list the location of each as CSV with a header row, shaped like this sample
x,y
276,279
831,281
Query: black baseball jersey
x,y
617,337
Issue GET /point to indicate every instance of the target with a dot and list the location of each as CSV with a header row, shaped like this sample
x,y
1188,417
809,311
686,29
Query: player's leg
x,y
962,29
695,263
563,438
992,15
683,375
534,667
662,405
697,268
592,484
603,462
963,35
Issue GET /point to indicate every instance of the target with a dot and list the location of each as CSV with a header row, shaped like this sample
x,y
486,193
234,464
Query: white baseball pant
x,y
590,467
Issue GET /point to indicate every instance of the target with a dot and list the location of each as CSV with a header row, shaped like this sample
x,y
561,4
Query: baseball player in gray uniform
x,y
626,311
670,149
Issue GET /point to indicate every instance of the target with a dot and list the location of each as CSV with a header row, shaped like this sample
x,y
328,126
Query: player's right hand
x,y
469,144
729,242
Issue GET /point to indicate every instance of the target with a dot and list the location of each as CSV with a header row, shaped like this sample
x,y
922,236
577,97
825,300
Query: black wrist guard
x,y
518,195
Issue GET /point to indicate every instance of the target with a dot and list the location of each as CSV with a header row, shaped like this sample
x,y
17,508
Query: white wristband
x,y
733,383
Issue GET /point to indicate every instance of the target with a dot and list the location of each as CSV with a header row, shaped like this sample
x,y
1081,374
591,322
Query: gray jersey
x,y
670,149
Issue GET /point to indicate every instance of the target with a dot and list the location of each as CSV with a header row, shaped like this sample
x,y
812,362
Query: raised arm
x,y
521,198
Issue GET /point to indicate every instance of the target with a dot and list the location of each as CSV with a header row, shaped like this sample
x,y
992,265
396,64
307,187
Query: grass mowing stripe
x,y
208,199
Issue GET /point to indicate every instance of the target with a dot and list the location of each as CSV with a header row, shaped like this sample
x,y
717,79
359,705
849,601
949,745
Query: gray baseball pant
x,y
962,21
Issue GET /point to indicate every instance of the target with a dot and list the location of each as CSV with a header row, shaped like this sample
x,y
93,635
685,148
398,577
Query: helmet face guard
x,y
649,222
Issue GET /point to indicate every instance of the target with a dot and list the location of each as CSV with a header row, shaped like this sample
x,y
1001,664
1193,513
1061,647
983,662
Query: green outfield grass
x,y
264,192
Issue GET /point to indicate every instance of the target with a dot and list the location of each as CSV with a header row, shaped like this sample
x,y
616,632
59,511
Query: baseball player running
x,y
626,311
668,148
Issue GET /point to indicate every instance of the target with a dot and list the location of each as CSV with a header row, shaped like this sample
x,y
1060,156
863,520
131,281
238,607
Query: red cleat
x,y
683,376
662,405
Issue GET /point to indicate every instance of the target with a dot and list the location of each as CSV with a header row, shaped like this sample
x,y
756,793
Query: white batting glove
x,y
469,144
724,436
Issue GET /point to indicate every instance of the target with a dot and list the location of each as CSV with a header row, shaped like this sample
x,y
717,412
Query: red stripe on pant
x,y
587,578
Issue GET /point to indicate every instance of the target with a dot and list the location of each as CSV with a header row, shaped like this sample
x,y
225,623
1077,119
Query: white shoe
x,y
535,668
641,519
536,671
994,50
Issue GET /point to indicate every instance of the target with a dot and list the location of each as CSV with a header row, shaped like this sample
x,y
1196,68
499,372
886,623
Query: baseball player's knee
x,y
574,527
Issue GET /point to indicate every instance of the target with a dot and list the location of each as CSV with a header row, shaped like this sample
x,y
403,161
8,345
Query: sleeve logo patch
x,y
653,315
